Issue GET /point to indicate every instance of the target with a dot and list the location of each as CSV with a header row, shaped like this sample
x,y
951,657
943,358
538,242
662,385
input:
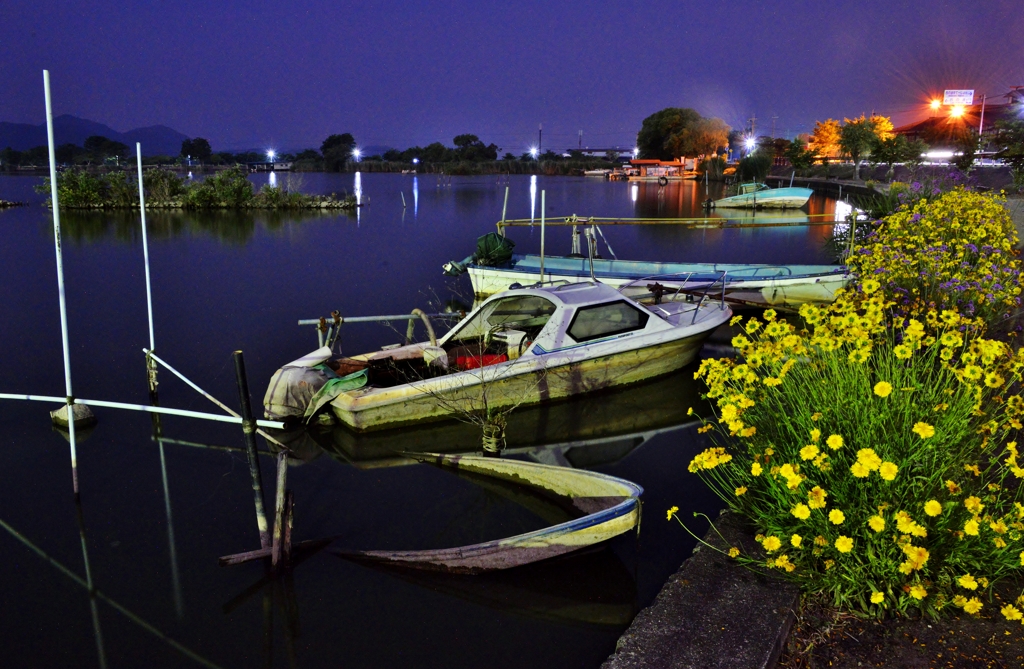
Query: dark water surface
x,y
223,282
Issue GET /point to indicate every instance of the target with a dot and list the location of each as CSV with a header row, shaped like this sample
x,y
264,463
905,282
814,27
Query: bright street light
x,y
356,153
935,104
750,143
533,151
270,155
636,151
957,111
415,161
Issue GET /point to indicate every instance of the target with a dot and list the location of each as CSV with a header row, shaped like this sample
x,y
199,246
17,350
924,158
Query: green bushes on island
x,y
229,189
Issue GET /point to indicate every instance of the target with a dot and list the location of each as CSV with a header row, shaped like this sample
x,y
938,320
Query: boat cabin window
x,y
604,320
528,313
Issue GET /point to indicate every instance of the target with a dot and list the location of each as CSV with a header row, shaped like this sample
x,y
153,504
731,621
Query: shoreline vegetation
x,y
228,189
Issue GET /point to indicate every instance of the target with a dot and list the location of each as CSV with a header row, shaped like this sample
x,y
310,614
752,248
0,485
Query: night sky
x,y
251,73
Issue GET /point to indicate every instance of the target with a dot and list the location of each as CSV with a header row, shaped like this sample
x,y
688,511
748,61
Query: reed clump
x,y
228,189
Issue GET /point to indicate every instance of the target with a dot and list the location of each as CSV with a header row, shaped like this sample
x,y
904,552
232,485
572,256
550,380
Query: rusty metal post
x,y
279,511
249,431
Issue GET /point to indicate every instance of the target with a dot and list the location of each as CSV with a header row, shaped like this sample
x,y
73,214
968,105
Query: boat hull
x,y
775,198
531,379
745,284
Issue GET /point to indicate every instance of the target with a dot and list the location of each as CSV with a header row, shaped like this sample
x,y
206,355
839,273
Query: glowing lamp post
x,y
356,153
533,152
750,143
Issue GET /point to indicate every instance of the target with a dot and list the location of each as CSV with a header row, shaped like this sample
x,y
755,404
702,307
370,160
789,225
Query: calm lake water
x,y
154,518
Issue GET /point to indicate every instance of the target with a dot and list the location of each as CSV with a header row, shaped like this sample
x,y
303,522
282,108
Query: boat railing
x,y
328,328
682,287
759,221
721,279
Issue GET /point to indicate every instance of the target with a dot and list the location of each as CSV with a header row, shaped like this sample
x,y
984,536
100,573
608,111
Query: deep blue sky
x,y
252,73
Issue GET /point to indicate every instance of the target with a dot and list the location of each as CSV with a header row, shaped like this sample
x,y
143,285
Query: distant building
x,y
942,129
267,166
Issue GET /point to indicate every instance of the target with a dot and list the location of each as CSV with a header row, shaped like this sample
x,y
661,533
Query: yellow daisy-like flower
x,y
815,434
876,523
836,517
741,490
877,597
834,441
1010,612
772,381
756,469
771,544
859,470
868,458
816,497
973,605
972,372
795,540
932,507
733,552
752,326
971,527
888,471
883,388
844,544
974,504
918,592
993,380
769,314
923,430
735,319
967,581
859,355
951,339
803,512
671,512
869,286
809,452
902,351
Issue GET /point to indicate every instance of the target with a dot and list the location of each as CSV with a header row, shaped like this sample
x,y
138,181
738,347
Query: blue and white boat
x,y
760,196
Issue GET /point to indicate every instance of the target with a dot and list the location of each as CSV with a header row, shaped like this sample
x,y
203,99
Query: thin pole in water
x,y
249,430
402,193
543,209
150,364
504,207
70,398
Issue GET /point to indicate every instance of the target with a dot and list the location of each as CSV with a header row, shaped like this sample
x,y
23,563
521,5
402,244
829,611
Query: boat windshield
x,y
529,313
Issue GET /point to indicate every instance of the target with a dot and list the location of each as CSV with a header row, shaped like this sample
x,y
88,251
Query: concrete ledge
x,y
712,613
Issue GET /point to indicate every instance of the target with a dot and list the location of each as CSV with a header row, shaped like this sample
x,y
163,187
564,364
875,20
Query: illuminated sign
x,y
958,97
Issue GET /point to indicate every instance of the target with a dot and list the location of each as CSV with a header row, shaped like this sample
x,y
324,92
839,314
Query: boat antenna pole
x,y
543,208
150,363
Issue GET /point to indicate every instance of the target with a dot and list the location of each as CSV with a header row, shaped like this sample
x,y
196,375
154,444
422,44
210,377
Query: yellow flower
x,y
859,470
752,325
859,355
971,527
974,504
932,507
953,487
769,315
795,540
801,511
741,490
671,512
816,416
835,442
883,388
771,544
1010,612
771,381
923,430
809,452
735,319
876,523
902,351
868,458
973,605
869,286
888,471
733,552
972,372
993,380
836,516
916,555
755,469
877,597
967,581
844,544
918,592
815,433
816,497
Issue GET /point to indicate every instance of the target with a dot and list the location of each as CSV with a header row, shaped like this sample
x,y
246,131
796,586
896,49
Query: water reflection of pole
x,y
179,606
533,196
97,632
60,283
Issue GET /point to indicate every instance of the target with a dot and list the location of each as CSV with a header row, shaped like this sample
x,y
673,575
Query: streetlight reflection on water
x,y
273,179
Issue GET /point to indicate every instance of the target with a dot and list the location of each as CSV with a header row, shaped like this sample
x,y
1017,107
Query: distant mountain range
x,y
68,129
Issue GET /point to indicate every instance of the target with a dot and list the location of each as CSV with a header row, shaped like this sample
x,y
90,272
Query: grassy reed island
x,y
230,189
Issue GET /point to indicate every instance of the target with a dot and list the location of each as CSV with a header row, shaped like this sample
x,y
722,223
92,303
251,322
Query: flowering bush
x,y
874,449
956,252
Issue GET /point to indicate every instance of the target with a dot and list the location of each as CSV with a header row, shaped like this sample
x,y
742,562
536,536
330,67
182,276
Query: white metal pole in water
x,y
543,210
69,397
145,247
504,209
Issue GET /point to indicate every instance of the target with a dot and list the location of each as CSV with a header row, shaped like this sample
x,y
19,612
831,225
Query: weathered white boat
x,y
761,196
519,347
611,506
759,285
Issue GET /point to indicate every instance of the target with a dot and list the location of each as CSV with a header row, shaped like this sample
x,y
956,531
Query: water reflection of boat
x,y
526,346
589,431
590,588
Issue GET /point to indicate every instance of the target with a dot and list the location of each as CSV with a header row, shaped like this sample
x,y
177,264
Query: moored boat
x,y
519,347
761,196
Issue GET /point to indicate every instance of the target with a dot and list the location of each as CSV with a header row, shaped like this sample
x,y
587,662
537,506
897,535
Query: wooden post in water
x,y
249,431
279,509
